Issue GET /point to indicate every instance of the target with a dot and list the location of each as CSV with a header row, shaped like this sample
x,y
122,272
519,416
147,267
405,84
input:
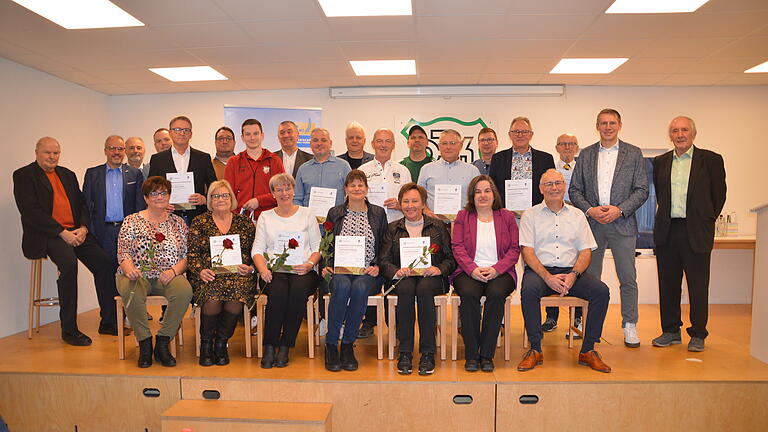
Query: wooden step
x,y
236,416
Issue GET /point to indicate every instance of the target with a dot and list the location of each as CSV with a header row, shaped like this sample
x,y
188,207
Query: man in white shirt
x,y
556,244
383,171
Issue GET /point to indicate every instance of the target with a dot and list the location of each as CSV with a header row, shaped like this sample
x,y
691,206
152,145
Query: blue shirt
x,y
457,172
481,166
329,174
114,186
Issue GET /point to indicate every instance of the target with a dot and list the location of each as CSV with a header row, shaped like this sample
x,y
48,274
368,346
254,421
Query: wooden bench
x,y
237,416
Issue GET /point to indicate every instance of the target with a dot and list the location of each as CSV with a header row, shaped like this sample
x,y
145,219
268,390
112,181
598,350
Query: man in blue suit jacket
x,y
112,192
609,184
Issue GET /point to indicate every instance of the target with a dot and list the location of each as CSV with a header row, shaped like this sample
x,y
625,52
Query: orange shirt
x,y
62,210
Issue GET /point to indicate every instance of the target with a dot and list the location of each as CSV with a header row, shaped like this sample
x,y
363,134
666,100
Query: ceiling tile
x,y
150,88
745,79
632,79
438,50
268,83
387,80
79,77
575,79
248,54
373,28
749,46
715,6
108,89
704,79
448,79
558,7
165,12
536,48
205,35
248,10
592,48
521,65
264,32
320,82
205,86
641,65
509,79
462,9
446,28
726,65
450,67
683,47
544,26
128,76
379,50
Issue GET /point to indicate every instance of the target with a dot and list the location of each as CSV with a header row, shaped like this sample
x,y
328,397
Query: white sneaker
x,y
323,327
630,336
254,321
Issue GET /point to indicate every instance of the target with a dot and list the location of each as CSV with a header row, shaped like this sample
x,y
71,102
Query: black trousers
x,y
672,259
586,287
287,299
409,291
65,258
473,331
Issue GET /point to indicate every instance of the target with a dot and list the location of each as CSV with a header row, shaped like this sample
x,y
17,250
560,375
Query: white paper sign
x,y
412,248
447,199
517,194
295,256
321,200
349,254
182,186
223,259
377,194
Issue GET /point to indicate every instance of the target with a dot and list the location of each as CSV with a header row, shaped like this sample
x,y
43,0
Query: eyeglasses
x,y
182,130
221,196
553,183
520,131
567,144
486,140
224,139
113,148
155,194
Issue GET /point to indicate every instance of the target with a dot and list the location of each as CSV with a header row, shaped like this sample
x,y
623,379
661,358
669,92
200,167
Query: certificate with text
x,y
447,200
412,251
349,255
320,201
182,186
295,256
226,254
518,194
377,194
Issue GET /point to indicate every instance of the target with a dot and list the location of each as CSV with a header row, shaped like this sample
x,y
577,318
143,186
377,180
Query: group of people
x,y
560,217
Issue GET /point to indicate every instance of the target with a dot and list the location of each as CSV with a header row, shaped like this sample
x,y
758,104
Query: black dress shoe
x,y
332,361
486,365
76,338
281,358
471,365
162,352
348,360
268,361
108,329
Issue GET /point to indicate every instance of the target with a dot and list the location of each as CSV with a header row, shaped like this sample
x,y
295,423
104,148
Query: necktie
x,y
567,166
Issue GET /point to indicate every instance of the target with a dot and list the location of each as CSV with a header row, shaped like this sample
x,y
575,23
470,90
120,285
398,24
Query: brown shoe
x,y
593,360
531,359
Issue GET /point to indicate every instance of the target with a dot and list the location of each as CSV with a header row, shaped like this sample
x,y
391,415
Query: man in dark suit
x,y
289,154
112,191
609,184
690,192
54,220
181,158
521,162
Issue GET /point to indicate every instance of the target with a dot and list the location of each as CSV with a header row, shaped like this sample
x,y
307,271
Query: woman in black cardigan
x,y
414,288
349,293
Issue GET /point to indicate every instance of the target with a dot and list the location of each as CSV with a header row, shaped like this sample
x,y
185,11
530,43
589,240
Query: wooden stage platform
x,y
46,385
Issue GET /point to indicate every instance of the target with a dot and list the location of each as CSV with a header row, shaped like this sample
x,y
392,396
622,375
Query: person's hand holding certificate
x,y
182,187
447,200
225,253
349,255
377,194
320,201
412,250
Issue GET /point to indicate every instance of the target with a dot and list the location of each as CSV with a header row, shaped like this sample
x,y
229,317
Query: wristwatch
x,y
577,273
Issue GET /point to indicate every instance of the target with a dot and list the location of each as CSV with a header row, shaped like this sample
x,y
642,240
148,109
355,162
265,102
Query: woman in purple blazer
x,y
486,249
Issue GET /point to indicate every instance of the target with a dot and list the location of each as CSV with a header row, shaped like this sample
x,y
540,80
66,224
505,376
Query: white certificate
x,y
182,186
226,254
447,200
295,256
349,255
412,249
517,194
377,194
321,200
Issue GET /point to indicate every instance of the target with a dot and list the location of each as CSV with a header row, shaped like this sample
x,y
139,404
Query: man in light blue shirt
x,y
448,170
323,170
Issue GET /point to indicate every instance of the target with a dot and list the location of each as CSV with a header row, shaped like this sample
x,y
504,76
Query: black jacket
x,y
377,218
199,164
436,230
501,170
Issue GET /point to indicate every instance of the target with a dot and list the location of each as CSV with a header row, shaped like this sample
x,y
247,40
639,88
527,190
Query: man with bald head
x,y
54,220
324,170
382,170
690,192
135,151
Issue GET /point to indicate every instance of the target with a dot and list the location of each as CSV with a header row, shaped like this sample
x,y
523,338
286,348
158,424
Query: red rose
x,y
227,243
293,244
328,226
159,237
434,248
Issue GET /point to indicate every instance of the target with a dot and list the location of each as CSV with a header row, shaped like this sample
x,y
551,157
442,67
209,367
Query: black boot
x,y
269,357
224,330
162,353
207,334
145,352
281,359
348,360
332,362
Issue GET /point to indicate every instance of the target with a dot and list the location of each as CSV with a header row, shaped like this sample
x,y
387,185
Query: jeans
x,y
349,297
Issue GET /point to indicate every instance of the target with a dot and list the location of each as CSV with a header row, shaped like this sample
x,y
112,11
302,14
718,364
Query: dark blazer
x,y
377,218
436,230
301,157
95,193
199,164
629,188
34,198
501,170
704,202
464,242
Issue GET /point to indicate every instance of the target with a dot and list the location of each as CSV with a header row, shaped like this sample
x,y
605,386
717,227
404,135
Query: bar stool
x,y
35,301
151,301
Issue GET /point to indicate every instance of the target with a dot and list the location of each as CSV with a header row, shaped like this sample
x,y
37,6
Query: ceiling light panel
x,y
384,67
357,8
654,6
192,73
761,68
587,65
81,14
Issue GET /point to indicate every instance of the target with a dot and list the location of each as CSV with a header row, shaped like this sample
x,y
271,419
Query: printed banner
x,y
306,119
467,125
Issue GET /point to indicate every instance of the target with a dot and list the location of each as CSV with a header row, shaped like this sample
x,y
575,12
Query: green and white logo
x,y
435,126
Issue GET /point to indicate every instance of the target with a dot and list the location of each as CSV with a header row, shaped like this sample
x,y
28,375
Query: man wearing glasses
x,y
520,166
609,184
557,243
182,158
225,149
486,144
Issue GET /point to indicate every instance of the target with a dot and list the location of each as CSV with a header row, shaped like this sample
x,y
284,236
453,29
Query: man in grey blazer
x,y
609,184
289,153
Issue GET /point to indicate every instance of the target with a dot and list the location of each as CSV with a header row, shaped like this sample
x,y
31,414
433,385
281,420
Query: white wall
x,y
34,104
